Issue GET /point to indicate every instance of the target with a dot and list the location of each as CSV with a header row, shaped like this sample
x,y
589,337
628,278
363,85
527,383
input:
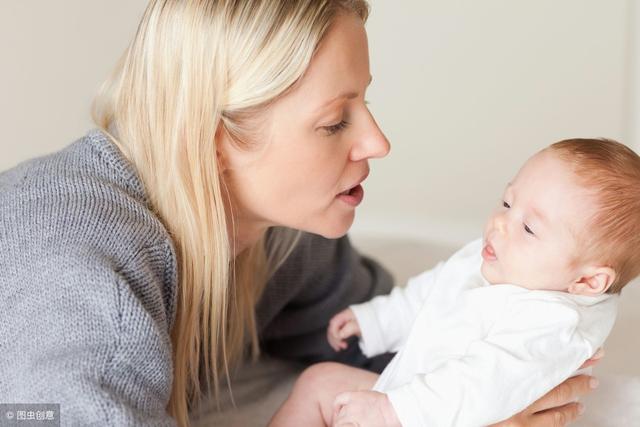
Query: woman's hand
x,y
599,354
342,326
558,407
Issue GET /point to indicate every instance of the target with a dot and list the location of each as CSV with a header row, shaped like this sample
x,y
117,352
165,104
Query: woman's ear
x,y
220,148
594,281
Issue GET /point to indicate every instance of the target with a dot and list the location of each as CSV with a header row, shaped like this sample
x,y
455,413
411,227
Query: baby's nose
x,y
500,223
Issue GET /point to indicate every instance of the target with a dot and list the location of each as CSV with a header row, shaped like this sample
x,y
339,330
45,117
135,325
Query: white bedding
x,y
615,403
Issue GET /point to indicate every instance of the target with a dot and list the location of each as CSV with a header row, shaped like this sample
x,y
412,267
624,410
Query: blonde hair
x,y
192,67
612,171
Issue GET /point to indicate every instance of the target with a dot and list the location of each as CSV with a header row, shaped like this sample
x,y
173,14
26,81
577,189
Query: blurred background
x,y
465,91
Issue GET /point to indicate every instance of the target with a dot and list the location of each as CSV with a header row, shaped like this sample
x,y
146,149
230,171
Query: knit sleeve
x,y
320,278
92,338
88,279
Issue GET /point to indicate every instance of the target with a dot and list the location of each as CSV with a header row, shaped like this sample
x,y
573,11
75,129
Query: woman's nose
x,y
372,143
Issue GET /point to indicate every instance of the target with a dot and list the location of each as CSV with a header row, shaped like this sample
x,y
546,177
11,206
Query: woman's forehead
x,y
339,68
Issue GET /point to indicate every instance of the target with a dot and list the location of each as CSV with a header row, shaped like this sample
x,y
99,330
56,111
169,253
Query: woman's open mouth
x,y
352,196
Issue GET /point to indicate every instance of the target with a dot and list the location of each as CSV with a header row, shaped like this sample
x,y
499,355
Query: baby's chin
x,y
489,274
492,274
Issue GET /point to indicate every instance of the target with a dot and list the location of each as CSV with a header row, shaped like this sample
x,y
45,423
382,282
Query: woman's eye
x,y
506,205
336,128
527,229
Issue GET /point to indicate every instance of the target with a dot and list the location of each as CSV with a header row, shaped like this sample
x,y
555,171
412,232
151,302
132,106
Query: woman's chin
x,y
333,235
334,229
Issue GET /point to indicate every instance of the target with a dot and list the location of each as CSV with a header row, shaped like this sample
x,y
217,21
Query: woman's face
x,y
315,144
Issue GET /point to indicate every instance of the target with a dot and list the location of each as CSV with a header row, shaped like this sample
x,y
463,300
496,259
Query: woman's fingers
x,y
556,408
565,393
558,417
594,359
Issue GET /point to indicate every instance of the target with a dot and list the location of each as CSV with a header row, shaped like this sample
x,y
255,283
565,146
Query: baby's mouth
x,y
488,253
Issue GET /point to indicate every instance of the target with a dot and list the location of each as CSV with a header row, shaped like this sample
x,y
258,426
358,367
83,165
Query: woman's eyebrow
x,y
345,95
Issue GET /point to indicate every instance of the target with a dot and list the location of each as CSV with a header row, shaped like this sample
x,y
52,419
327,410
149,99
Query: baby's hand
x,y
342,326
364,408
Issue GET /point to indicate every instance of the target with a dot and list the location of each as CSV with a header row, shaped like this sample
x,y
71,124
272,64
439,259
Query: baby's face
x,y
531,240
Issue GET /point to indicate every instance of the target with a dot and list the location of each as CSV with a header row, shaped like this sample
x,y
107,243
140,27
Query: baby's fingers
x,y
338,403
342,326
341,400
334,341
349,329
341,318
336,323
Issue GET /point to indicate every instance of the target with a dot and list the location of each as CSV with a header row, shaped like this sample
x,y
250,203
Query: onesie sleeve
x,y
533,347
386,320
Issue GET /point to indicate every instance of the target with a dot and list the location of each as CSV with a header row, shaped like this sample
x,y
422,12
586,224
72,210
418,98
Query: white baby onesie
x,y
471,353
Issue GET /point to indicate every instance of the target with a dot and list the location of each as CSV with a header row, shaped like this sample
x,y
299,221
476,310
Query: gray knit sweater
x,y
88,288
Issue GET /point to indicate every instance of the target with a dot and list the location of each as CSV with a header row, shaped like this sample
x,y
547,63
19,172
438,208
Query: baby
x,y
507,318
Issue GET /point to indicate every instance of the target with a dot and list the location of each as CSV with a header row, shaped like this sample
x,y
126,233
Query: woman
x,y
147,255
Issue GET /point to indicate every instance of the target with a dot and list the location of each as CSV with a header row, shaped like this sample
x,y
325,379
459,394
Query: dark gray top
x,y
88,279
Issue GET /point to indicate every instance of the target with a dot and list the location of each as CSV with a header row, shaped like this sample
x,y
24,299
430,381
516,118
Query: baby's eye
x,y
528,230
505,204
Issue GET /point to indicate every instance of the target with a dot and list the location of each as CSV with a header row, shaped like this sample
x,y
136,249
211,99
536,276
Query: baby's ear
x,y
594,281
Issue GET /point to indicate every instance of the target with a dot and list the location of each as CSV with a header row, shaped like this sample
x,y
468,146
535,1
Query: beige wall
x,y
465,91
55,54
